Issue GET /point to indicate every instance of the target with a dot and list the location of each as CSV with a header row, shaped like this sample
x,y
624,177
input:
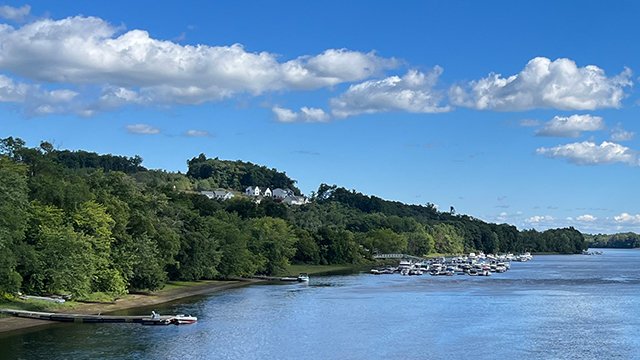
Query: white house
x,y
208,194
219,194
222,194
295,200
281,194
267,192
252,191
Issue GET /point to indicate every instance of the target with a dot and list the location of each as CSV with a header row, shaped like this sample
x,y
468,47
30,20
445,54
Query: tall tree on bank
x,y
14,208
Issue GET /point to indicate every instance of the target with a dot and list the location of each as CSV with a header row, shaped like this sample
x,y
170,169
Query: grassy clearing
x,y
177,285
99,298
11,302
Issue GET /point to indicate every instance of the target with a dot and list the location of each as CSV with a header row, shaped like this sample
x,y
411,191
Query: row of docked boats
x,y
472,265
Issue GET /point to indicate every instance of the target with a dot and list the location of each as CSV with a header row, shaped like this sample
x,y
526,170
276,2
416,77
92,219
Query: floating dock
x,y
83,318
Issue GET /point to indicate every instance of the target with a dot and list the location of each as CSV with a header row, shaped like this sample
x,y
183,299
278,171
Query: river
x,y
554,307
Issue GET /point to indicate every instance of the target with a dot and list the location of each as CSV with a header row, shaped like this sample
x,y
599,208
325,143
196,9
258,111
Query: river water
x,y
554,307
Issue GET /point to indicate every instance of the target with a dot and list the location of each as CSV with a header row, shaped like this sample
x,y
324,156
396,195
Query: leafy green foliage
x,y
14,206
237,175
622,240
82,223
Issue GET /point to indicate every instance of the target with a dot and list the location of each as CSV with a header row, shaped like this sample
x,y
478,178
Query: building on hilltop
x,y
295,200
281,194
252,191
218,194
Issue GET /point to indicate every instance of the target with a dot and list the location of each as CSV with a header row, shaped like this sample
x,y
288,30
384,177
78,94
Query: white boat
x,y
182,319
303,277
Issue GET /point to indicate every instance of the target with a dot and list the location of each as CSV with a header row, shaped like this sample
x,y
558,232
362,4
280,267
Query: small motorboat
x,y
182,319
303,277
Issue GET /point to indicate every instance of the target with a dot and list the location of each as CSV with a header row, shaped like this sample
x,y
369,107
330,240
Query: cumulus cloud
x,y
571,126
620,134
586,218
414,92
10,91
142,129
37,101
590,153
135,68
502,217
14,13
626,218
558,84
197,133
306,114
538,219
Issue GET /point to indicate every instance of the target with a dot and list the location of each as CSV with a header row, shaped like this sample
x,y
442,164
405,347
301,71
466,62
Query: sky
x,y
519,112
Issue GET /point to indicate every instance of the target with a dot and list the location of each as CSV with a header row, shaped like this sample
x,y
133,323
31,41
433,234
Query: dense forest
x,y
76,222
623,240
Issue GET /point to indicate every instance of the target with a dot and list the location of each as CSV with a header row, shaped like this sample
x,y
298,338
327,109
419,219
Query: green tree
x,y
274,240
92,220
14,207
386,241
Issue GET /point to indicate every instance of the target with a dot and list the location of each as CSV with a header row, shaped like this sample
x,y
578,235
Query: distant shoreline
x,y
12,325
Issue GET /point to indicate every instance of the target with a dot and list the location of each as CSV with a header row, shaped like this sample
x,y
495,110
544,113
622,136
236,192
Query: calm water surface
x,y
555,307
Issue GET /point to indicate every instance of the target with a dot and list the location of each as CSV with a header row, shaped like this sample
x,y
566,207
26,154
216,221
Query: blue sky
x,y
519,112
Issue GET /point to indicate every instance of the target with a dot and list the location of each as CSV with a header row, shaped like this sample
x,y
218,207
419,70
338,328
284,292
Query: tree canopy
x,y
77,222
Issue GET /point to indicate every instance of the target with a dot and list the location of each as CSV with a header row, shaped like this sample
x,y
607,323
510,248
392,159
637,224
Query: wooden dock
x,y
82,318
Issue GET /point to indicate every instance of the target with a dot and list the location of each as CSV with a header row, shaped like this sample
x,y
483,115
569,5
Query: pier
x,y
83,318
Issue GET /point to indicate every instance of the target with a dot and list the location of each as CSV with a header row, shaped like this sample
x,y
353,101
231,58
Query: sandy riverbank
x,y
12,324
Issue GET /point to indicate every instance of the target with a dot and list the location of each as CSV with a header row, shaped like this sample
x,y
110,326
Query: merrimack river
x,y
554,307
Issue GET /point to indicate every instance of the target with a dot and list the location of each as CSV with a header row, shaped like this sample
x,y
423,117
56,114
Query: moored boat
x,y
182,319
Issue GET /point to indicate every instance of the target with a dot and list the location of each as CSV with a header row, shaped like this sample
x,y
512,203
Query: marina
x,y
472,264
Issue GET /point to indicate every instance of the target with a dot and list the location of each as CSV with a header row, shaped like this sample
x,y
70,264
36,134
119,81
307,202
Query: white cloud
x,y
89,51
284,115
412,93
571,126
558,84
142,129
36,101
10,91
626,218
197,133
586,218
538,219
306,114
620,134
589,153
502,217
14,13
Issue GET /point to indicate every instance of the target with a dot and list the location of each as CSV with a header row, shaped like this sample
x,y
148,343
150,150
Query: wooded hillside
x,y
80,223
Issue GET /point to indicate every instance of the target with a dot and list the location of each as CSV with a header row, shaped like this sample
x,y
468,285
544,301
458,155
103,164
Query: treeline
x,y
451,233
81,227
622,240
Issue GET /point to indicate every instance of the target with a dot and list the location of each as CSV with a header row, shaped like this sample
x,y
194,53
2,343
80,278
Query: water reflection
x,y
556,307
